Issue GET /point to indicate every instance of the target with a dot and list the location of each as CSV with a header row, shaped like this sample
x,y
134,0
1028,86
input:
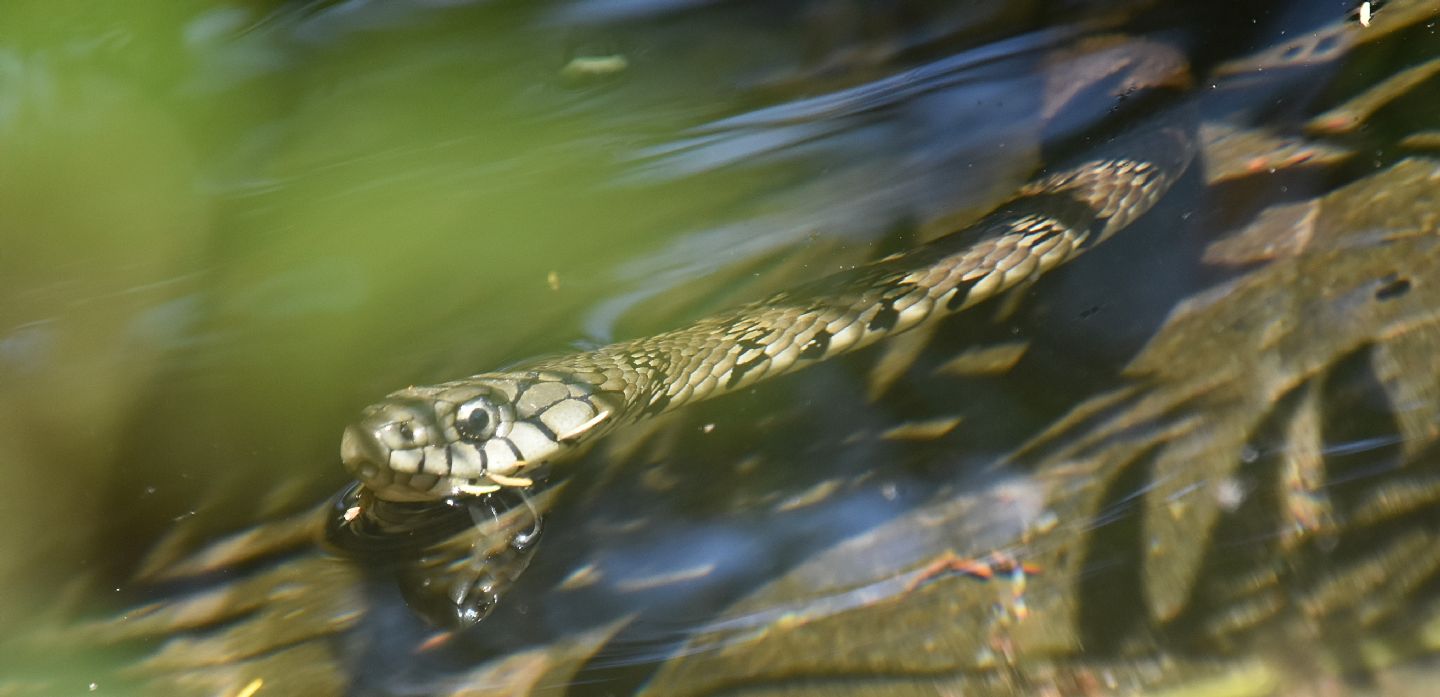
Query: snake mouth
x,y
365,525
370,461
366,459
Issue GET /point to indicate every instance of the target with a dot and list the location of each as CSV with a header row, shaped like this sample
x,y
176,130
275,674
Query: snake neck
x,y
1050,221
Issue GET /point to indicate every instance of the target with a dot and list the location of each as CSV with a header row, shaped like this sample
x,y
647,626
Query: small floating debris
x,y
552,279
985,360
1352,114
251,688
587,575
811,496
922,430
595,66
1422,140
660,580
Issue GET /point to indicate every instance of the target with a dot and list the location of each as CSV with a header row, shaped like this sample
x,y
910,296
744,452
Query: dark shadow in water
x,y
1112,595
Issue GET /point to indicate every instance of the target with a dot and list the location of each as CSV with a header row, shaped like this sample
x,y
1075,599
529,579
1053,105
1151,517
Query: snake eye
x,y
476,419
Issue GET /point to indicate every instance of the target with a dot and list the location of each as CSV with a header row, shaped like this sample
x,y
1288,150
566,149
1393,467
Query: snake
x,y
494,430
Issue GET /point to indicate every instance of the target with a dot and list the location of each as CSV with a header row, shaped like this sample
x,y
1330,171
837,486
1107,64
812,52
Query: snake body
x,y
492,430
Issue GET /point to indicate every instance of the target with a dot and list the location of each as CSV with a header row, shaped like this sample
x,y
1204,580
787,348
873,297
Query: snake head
x,y
470,436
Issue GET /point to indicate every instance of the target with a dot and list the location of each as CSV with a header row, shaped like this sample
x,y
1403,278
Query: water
x,y
230,227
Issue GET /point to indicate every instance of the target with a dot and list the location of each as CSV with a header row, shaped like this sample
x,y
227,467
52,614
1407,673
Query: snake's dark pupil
x,y
475,423
406,432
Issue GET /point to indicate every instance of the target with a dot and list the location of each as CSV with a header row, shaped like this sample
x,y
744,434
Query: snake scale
x,y
492,430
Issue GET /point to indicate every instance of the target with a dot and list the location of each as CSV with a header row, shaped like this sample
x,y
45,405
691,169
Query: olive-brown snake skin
x,y
477,434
